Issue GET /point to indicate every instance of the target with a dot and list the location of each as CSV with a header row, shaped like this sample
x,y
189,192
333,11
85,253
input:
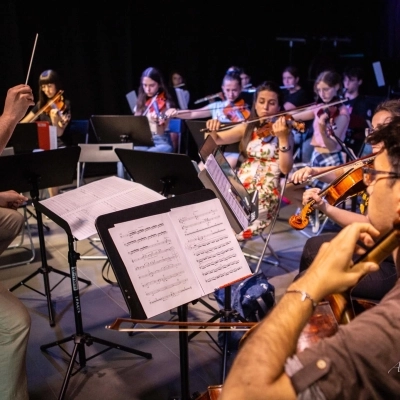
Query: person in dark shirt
x,y
360,109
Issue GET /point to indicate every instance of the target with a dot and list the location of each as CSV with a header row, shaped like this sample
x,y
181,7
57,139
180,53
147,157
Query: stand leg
x,y
81,338
184,354
44,270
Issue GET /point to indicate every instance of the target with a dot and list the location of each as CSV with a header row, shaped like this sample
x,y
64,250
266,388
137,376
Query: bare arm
x,y
18,100
265,351
203,112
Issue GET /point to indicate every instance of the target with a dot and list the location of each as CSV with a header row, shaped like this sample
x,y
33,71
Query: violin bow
x,y
181,326
30,63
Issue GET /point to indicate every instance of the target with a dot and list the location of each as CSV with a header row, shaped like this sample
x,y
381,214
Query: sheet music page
x,y
81,206
224,186
210,244
156,263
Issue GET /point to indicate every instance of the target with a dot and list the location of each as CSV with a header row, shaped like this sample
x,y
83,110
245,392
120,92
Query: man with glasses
x,y
362,359
375,285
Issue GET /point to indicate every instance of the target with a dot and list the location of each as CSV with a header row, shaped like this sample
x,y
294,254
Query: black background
x,y
100,49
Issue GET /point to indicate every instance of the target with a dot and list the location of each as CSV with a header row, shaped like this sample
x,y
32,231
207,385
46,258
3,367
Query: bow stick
x,y
220,326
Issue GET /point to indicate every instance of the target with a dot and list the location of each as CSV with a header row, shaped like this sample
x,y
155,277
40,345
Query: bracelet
x,y
285,149
304,295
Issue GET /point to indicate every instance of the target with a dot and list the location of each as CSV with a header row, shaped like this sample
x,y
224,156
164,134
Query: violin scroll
x,y
300,221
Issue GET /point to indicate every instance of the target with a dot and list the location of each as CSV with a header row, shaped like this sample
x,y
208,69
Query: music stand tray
x,y
165,173
122,128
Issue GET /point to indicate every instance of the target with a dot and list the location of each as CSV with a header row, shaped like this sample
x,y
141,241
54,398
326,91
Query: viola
x,y
237,111
266,129
348,185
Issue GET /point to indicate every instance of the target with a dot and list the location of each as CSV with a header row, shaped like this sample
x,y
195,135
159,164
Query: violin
x,y
266,129
348,185
57,102
156,104
332,111
237,111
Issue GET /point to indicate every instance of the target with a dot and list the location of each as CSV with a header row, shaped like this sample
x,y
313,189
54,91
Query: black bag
x,y
252,299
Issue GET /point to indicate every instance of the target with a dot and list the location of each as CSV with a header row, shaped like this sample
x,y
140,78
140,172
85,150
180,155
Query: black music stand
x,y
80,338
32,172
197,130
122,128
171,174
24,138
136,311
165,173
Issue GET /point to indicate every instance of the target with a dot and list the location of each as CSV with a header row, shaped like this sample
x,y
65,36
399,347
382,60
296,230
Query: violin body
x,y
57,102
348,185
213,393
157,104
266,129
237,111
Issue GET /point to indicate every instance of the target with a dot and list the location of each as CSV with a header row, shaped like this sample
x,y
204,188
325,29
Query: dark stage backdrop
x,y
101,49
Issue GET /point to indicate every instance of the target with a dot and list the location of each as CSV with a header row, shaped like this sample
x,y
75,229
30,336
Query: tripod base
x,y
45,270
80,341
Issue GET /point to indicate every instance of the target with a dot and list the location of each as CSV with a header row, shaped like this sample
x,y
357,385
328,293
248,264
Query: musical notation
x,y
177,257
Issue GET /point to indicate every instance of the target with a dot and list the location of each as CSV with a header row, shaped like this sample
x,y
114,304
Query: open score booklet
x,y
176,257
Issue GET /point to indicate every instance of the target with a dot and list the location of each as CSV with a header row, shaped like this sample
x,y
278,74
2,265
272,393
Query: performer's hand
x,y
333,269
171,112
313,194
301,175
213,125
11,199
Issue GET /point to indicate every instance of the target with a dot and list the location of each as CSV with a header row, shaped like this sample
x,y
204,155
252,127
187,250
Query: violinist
x,y
57,114
266,150
232,109
359,361
153,100
327,123
377,284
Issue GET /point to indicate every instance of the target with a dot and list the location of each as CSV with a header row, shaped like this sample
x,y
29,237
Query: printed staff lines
x,y
184,219
166,241
200,260
163,279
141,230
166,287
153,253
222,275
172,294
157,271
155,262
217,262
212,249
205,242
145,238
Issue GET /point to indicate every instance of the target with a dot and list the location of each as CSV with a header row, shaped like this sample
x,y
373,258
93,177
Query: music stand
x,y
80,338
165,173
31,172
24,138
196,129
107,221
122,128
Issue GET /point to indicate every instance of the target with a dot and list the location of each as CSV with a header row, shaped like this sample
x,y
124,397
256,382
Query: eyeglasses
x,y
370,175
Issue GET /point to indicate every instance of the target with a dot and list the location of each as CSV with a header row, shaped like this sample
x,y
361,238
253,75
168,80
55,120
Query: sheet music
x,y
174,258
156,263
80,207
224,186
210,245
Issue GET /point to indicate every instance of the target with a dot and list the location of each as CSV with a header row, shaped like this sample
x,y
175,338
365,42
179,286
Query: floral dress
x,y
260,171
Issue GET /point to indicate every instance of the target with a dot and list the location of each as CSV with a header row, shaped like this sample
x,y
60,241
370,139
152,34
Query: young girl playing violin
x,y
266,153
328,122
58,112
153,101
232,109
